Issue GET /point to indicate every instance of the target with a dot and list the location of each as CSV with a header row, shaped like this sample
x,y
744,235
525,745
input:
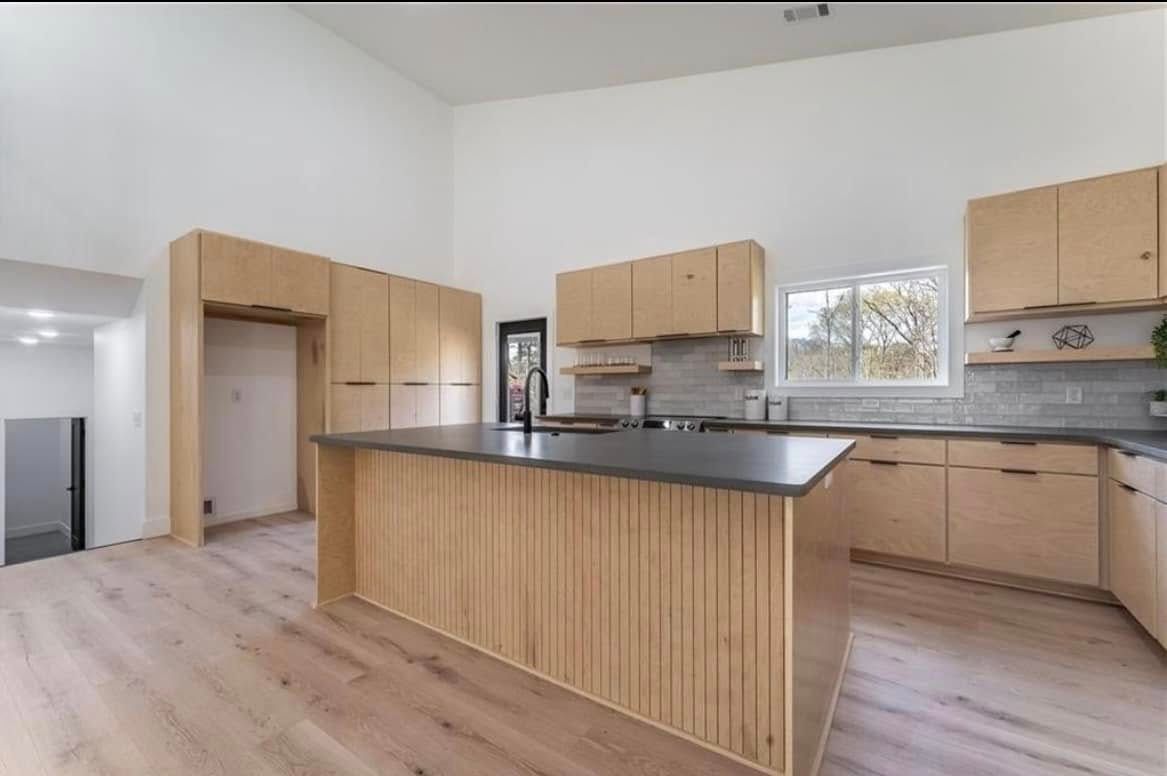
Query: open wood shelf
x,y
605,369
1100,353
741,366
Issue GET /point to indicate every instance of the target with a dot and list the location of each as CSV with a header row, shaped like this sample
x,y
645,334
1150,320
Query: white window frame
x,y
940,272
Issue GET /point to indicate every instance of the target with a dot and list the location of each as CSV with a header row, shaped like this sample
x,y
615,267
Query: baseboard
x,y
838,689
158,526
209,520
37,528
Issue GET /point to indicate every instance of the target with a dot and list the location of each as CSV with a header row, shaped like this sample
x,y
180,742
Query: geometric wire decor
x,y
1074,336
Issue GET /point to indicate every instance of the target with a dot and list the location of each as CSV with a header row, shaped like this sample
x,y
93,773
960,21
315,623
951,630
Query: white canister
x,y
779,407
755,405
638,403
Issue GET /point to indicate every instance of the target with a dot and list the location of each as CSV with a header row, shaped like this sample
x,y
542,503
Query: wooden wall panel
x,y
311,404
664,600
186,380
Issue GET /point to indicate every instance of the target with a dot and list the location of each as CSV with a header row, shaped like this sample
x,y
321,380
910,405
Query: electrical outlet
x,y
136,418
236,395
871,404
1073,394
209,506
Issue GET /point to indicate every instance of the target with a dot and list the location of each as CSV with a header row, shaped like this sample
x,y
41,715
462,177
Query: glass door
x,y
521,346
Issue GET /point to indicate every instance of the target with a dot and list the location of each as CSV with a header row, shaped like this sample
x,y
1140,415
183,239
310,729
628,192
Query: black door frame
x,y
77,483
528,326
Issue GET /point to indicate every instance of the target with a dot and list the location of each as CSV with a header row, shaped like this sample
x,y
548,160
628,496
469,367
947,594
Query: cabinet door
x,y
1013,250
1034,525
374,407
235,271
402,330
374,327
402,406
1161,572
573,306
739,288
345,323
460,336
299,281
897,509
1163,244
460,404
344,415
1108,242
652,297
428,338
429,405
1132,552
695,292
611,302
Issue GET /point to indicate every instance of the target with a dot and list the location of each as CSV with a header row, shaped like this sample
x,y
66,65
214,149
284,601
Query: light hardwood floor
x,y
152,658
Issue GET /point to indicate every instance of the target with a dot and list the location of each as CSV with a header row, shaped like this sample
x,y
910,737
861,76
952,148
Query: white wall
x,y
37,472
249,418
125,127
46,381
859,162
117,433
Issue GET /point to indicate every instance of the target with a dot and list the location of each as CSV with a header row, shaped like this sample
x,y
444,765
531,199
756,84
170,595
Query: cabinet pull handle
x,y
272,308
1018,443
689,276
884,436
1126,487
1028,472
778,432
1128,453
884,463
359,382
1146,255
414,383
588,341
456,383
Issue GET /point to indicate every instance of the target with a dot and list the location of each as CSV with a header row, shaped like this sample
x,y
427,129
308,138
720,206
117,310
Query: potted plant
x,y
1159,403
1159,342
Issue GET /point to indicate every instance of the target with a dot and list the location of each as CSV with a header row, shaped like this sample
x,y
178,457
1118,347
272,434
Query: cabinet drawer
x,y
892,447
1036,525
1144,474
1132,552
897,509
1027,456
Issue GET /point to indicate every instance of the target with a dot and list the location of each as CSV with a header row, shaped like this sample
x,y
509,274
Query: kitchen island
x,y
698,582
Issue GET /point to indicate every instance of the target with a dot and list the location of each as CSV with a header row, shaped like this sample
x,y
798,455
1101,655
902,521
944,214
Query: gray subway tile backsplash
x,y
684,380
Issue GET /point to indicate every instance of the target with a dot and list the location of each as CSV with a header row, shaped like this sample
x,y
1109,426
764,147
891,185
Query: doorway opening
x,y
44,499
521,346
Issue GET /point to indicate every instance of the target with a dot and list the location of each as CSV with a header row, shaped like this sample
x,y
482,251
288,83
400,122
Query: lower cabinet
x,y
1026,523
412,406
1161,572
358,408
460,404
897,508
1133,550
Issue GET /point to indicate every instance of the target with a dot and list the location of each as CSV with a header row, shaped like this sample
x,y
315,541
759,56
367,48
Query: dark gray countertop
x,y
1149,443
786,466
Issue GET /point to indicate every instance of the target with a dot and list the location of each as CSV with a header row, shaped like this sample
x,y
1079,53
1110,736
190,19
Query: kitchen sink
x,y
557,430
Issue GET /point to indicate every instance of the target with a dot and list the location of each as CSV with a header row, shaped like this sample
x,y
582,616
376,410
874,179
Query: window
x,y
872,330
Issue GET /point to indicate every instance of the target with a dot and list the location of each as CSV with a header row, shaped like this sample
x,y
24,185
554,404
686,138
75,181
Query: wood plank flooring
x,y
152,658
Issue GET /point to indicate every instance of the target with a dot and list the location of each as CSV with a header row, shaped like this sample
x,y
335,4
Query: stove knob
x,y
636,424
624,423
689,426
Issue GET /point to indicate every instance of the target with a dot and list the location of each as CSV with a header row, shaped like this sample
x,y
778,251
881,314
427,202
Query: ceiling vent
x,y
805,13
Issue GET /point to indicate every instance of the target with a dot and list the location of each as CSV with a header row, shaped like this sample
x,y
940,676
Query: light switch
x,y
136,418
1073,394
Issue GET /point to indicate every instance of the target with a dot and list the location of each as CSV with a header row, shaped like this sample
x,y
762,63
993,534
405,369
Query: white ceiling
x,y
474,52
72,329
79,301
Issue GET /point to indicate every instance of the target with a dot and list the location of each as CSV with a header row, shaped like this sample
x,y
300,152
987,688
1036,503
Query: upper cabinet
x,y
1092,242
359,325
245,272
1013,250
697,293
459,336
413,331
740,298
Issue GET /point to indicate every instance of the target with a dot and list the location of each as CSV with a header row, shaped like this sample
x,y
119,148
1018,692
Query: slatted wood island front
x,y
719,614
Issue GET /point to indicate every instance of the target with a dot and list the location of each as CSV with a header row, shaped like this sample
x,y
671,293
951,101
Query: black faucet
x,y
526,413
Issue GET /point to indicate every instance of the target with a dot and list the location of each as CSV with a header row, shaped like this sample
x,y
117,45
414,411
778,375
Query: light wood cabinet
x,y
235,271
460,336
1144,474
358,408
897,509
359,325
1012,246
1024,523
740,294
299,281
1163,231
694,292
594,305
1133,551
1023,455
893,447
412,406
460,404
652,297
1161,572
413,331
1108,243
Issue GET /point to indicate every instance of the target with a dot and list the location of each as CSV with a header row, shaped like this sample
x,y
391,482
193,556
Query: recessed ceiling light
x,y
27,340
40,315
48,333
